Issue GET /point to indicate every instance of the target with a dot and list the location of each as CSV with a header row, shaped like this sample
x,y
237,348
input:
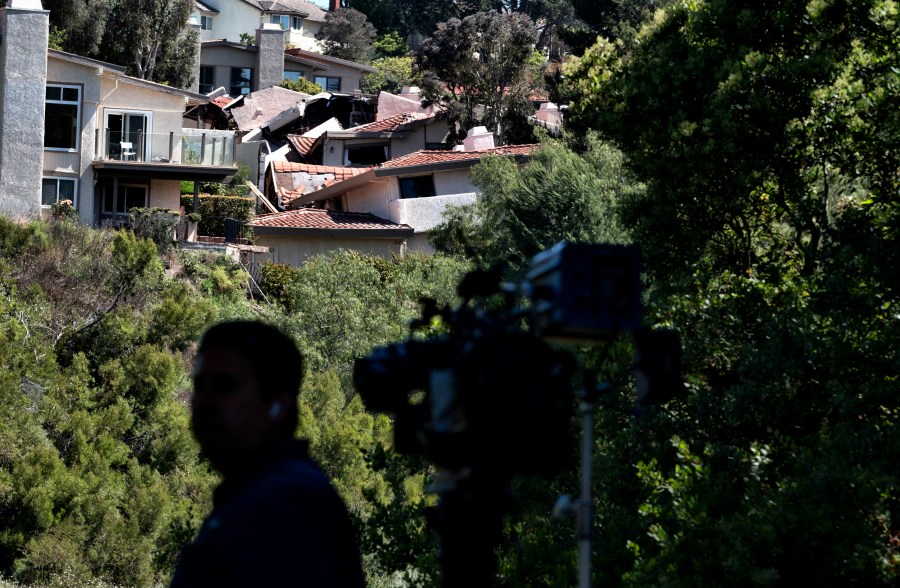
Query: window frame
x,y
296,20
325,87
416,181
204,20
211,69
123,188
61,101
59,179
231,85
146,148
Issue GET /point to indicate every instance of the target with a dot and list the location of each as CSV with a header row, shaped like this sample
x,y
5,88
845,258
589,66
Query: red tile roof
x,y
295,167
303,145
317,218
425,157
393,123
222,101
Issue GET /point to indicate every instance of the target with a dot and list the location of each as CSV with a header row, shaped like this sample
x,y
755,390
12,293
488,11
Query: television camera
x,y
479,391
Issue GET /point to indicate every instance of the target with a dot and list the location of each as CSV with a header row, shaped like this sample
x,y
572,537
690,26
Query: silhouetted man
x,y
276,519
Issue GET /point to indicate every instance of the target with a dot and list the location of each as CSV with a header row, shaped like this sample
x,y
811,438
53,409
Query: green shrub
x,y
279,282
301,85
156,224
215,209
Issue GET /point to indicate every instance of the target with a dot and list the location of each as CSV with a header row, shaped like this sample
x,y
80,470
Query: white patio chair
x,y
128,152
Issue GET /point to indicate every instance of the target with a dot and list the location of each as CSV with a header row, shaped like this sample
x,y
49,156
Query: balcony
x,y
189,147
191,154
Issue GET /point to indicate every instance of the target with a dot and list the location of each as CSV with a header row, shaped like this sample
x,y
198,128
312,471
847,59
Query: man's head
x,y
246,380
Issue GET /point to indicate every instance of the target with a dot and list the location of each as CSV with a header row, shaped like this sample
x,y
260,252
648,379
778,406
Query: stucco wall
x,y
23,68
419,243
115,94
423,214
373,197
296,250
165,194
454,182
235,17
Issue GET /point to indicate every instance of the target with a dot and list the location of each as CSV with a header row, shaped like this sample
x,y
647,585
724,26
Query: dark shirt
x,y
282,524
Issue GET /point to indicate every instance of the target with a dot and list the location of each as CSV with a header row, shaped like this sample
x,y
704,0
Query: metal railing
x,y
179,148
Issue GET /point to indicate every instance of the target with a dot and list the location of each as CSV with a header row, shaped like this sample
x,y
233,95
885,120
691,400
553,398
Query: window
x,y
125,126
286,21
241,81
205,23
294,76
207,78
55,189
366,155
129,196
329,84
417,187
62,111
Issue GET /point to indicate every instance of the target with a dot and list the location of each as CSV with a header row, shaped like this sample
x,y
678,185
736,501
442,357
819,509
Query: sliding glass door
x,y
128,135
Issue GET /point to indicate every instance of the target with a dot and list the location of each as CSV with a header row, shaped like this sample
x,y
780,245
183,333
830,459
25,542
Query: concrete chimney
x,y
194,26
478,139
24,28
269,57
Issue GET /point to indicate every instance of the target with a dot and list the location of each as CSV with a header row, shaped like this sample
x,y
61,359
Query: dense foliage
x,y
477,68
347,34
767,137
149,37
100,482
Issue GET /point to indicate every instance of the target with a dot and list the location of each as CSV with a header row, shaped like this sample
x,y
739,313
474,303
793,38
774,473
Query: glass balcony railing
x,y
190,147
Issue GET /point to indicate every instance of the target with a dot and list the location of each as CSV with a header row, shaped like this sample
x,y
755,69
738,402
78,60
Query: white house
x,y
229,19
412,190
74,128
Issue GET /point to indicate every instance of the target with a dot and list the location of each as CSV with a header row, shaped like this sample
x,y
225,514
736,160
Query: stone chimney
x,y
478,139
269,57
24,28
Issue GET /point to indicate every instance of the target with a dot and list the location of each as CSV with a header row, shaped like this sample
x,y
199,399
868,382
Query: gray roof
x,y
203,7
260,108
304,8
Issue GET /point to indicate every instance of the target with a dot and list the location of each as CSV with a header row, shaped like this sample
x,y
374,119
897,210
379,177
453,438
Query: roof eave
x,y
398,233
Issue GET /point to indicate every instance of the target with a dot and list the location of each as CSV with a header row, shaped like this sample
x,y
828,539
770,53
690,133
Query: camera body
x,y
489,392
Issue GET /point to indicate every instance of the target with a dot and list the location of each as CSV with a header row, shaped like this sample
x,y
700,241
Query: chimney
x,y
334,5
269,57
194,25
24,28
478,139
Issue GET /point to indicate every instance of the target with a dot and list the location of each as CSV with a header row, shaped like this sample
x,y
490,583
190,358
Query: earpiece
x,y
274,409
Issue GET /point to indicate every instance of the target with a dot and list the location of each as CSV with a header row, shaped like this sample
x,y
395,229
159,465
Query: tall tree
x,y
142,34
347,34
559,194
767,134
477,67
79,23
